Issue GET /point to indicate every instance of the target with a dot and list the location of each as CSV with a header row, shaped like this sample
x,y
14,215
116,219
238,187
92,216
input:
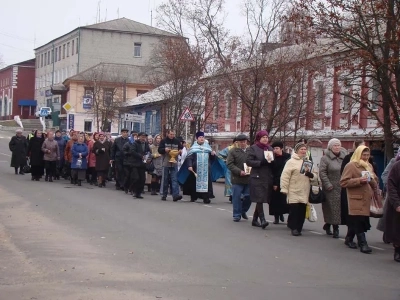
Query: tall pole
x,y
186,130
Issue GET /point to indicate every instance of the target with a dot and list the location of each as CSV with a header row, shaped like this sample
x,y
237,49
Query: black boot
x,y
335,231
255,222
327,228
264,222
362,242
154,188
50,179
397,254
282,218
46,178
348,241
276,221
79,182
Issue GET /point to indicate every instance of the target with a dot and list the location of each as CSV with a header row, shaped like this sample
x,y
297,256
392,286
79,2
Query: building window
x,y
319,96
87,126
73,47
137,50
48,57
59,53
108,95
76,46
374,94
56,100
68,49
63,51
89,91
346,99
45,59
52,56
215,102
55,55
228,105
48,102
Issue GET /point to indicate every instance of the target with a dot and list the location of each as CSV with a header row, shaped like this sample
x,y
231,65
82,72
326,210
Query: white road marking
x,y
220,208
377,248
315,232
5,154
207,205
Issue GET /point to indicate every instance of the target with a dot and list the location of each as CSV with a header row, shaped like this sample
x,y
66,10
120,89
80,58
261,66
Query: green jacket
x,y
235,163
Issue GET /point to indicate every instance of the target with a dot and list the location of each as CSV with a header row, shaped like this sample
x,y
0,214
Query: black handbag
x,y
316,196
150,167
27,167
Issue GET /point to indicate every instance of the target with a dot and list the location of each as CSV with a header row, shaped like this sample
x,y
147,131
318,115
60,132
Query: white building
x,y
120,41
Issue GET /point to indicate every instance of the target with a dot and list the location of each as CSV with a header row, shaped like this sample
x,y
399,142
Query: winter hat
x,y
333,142
277,144
298,146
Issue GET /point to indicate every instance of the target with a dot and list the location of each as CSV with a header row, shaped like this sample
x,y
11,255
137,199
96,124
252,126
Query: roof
x,y
110,72
127,25
120,25
26,63
153,96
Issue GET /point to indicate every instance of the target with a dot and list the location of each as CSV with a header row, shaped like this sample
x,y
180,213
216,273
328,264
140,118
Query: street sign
x,y
133,118
87,102
44,112
67,106
186,115
71,121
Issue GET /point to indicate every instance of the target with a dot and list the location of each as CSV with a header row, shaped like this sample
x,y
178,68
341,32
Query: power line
x,y
20,49
16,37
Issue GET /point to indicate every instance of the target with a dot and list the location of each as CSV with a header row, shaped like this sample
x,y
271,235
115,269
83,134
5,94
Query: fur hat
x,y
199,134
277,144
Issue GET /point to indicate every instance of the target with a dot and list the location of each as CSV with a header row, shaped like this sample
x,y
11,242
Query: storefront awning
x,y
27,102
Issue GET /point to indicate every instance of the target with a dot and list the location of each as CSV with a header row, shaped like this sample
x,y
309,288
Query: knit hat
x,y
277,144
298,146
199,134
333,142
241,137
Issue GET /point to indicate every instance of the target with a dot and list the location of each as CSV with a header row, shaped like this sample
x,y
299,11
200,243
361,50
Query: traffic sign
x,y
67,106
44,112
134,118
186,115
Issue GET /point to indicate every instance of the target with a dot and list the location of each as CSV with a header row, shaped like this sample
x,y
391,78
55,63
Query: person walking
x,y
80,153
102,150
51,156
136,154
261,180
329,172
68,153
170,169
61,148
117,158
157,160
360,181
278,205
91,170
235,161
392,218
36,155
19,148
223,154
296,186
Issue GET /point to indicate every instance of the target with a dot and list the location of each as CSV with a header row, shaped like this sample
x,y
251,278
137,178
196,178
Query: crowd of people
x,y
252,175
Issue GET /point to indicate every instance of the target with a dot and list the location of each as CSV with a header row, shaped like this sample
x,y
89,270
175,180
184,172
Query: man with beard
x,y
117,158
136,154
101,149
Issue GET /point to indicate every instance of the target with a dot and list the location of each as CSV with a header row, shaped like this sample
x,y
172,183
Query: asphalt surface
x,y
66,242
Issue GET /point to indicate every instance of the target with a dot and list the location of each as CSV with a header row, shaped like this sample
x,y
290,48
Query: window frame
x,y
137,45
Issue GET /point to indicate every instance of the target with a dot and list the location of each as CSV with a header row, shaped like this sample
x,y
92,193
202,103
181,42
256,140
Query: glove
x,y
264,162
309,174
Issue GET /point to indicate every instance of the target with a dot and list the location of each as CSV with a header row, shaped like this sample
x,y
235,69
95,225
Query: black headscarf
x,y
36,141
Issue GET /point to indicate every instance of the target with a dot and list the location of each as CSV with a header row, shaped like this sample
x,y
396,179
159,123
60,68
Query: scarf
x,y
357,159
259,135
202,152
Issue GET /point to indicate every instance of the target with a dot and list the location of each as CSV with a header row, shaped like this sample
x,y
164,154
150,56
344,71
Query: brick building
x,y
17,90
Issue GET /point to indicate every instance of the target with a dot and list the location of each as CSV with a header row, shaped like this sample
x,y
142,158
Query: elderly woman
x,y
158,164
19,148
79,161
360,181
329,172
260,177
36,155
297,188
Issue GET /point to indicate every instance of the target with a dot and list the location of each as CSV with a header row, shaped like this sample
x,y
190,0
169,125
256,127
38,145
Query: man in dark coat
x,y
392,213
240,178
102,149
19,148
117,158
36,155
278,205
136,154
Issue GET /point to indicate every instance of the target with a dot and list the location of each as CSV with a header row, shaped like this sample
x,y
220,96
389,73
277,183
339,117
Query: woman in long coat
x,y
360,189
157,160
91,171
392,228
79,154
278,205
102,150
296,186
261,179
36,155
19,148
329,172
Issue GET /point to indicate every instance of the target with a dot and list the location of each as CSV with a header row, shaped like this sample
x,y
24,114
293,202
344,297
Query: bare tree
x,y
369,31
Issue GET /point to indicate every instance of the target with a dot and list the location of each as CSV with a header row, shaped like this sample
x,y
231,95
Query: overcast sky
x,y
26,24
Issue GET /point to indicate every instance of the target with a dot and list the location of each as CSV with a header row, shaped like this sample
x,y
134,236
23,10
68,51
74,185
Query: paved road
x,y
64,242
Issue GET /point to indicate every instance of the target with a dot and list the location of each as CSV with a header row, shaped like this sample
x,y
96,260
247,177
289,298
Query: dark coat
x,y
62,143
261,179
278,204
102,152
76,149
35,151
189,187
134,152
117,152
19,148
392,226
235,163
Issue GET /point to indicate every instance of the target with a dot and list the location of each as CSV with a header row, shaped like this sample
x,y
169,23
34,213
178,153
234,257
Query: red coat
x,y
92,156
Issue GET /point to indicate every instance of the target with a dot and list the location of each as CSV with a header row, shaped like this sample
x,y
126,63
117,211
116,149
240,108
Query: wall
x,y
25,88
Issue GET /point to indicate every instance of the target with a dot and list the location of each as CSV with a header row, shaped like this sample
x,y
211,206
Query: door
x,y
25,112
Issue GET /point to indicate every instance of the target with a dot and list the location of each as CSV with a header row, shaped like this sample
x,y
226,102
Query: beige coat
x,y
295,184
358,195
